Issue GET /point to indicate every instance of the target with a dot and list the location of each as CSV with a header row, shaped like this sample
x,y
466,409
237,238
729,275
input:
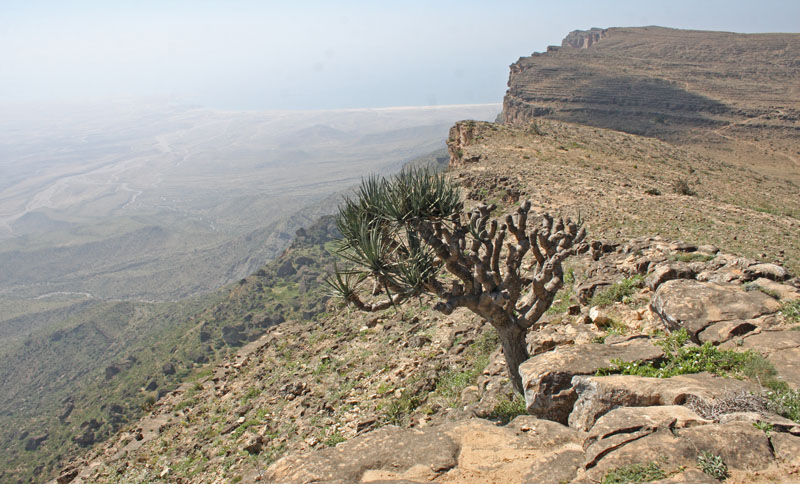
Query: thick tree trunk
x,y
515,350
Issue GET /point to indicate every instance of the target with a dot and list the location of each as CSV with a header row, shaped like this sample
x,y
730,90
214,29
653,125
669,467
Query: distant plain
x,y
160,202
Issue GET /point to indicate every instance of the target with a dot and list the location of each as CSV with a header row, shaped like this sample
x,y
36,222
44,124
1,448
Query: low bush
x,y
634,473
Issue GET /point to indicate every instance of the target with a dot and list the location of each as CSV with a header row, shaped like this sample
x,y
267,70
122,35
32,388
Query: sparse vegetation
x,y
508,408
713,465
681,187
681,359
766,427
618,292
692,257
791,310
635,473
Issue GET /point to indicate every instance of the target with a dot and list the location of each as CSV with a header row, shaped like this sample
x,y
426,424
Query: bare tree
x,y
401,233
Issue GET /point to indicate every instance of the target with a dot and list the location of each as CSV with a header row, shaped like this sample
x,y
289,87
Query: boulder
x,y
627,424
597,395
389,449
286,269
725,330
630,419
667,272
787,447
168,368
696,305
548,377
767,271
784,292
740,445
35,441
528,449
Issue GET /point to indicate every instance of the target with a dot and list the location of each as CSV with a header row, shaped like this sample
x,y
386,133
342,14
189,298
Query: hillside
x,y
74,385
309,385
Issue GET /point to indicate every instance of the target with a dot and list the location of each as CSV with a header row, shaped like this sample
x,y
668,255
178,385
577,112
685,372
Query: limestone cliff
x,y
668,83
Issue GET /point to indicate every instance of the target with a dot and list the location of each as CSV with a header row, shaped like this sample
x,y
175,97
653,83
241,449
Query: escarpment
x,y
690,87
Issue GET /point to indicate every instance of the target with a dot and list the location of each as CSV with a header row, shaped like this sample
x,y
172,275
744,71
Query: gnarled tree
x,y
411,235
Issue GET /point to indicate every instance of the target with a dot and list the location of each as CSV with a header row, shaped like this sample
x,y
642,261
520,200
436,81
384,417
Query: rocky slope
x,y
717,91
417,397
309,385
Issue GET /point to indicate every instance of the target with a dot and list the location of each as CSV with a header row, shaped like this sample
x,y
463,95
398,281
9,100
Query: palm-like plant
x,y
400,233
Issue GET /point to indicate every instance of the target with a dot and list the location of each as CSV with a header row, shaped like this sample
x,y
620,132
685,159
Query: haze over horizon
x,y
247,55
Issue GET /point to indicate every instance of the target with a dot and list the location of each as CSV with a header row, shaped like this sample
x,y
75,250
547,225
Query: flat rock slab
x,y
547,377
631,419
465,452
508,454
784,291
597,395
668,271
741,446
390,448
726,330
787,447
696,305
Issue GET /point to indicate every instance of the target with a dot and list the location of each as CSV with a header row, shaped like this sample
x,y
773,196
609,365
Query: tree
x,y
411,235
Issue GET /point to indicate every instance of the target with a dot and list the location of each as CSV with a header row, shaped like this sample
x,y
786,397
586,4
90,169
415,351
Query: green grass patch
x,y
635,473
783,400
333,439
508,408
692,257
791,310
681,359
712,465
752,286
618,292
398,411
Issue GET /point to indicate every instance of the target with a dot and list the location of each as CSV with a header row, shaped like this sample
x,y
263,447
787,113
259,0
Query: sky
x,y
262,55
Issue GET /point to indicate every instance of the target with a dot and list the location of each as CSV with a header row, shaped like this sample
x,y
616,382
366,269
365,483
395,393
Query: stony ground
x,y
411,396
585,428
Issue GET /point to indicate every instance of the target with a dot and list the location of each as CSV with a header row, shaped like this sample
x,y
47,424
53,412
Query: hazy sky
x,y
315,54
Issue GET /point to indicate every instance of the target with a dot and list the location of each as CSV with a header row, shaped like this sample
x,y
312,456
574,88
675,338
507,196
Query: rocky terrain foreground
x,y
583,426
332,405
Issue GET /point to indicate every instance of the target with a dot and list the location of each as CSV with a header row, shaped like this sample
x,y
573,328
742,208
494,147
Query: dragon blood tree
x,y
411,235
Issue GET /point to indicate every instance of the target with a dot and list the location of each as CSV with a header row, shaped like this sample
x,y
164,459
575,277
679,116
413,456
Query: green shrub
x,y
634,473
618,292
784,401
334,439
508,408
680,359
692,257
791,310
681,187
712,465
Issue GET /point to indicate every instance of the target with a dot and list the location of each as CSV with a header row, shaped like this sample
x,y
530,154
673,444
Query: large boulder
x,y
424,452
548,378
740,445
668,271
597,395
696,305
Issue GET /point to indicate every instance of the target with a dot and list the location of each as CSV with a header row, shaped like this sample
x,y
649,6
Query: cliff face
x,y
667,83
